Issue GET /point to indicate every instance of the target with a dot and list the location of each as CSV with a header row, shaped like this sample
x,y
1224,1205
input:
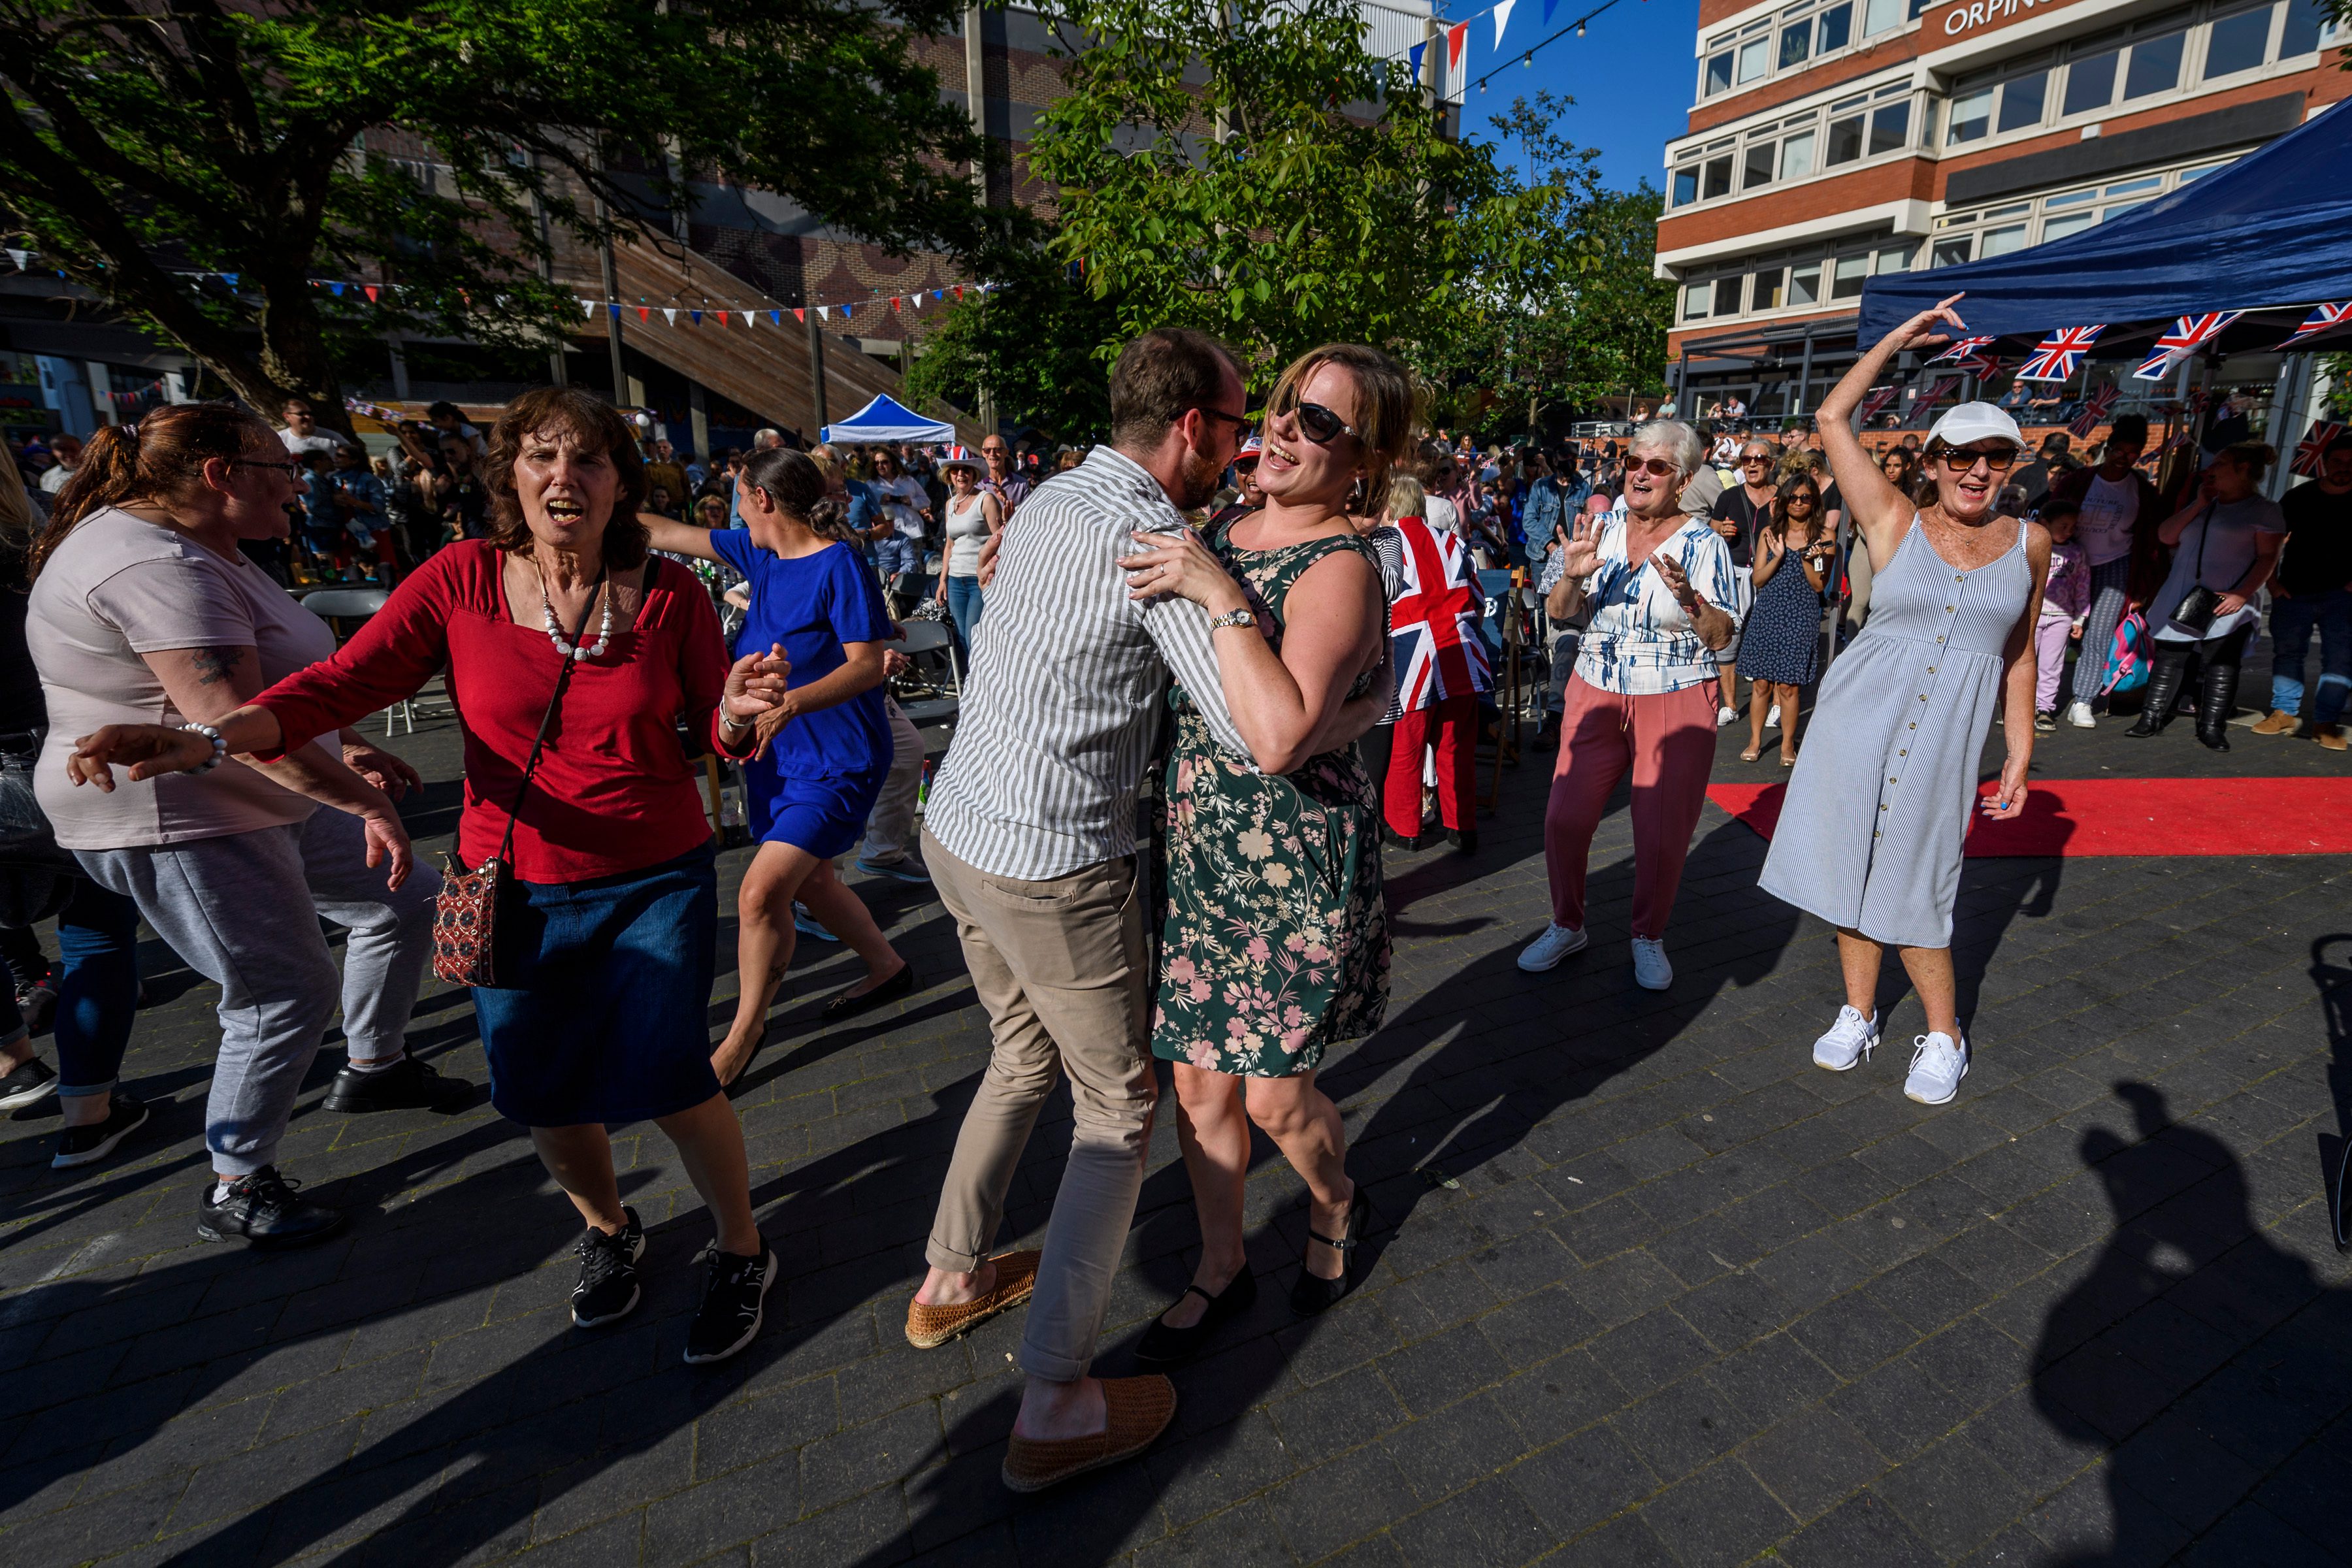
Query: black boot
x,y
2162,692
2217,694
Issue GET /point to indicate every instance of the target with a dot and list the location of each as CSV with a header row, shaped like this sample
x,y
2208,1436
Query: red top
x,y
614,792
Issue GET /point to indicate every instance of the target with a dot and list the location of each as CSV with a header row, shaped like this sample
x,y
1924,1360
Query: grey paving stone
x,y
1719,1516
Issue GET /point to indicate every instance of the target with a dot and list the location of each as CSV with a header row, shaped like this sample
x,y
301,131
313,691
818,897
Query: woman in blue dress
x,y
823,750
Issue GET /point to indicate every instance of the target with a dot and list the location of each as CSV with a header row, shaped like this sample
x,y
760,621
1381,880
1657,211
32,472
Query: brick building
x,y
1832,140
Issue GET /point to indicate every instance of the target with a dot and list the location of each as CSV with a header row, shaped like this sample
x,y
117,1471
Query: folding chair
x,y
931,639
337,605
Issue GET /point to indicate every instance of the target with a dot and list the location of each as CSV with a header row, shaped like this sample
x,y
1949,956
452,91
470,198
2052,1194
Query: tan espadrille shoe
x,y
2329,736
928,1328
1136,1410
2278,723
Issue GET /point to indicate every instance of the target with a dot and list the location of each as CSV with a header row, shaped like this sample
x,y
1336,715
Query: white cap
x,y
1975,422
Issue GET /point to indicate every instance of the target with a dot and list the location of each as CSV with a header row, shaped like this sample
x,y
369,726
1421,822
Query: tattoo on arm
x,y
215,665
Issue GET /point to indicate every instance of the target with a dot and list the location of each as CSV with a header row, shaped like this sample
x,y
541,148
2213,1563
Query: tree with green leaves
x,y
1244,167
1031,343
1566,306
434,150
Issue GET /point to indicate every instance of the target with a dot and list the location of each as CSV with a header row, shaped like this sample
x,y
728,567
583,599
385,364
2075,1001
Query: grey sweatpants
x,y
890,827
238,908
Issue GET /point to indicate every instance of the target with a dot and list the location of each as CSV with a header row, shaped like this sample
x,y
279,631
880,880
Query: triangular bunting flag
x,y
959,290
1548,9
1503,19
697,315
371,293
824,312
588,308
894,304
20,258
1456,37
776,318
845,311
613,307
799,314
722,317
229,278
645,313
1412,58
338,289
938,294
669,314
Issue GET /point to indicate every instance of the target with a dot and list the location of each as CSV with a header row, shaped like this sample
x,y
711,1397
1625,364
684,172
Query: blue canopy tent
x,y
885,419
2270,232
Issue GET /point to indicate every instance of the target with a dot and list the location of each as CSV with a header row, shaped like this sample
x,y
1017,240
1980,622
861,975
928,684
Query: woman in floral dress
x,y
1276,942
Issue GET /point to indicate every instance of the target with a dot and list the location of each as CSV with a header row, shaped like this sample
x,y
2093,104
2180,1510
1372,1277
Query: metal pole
x,y
1805,373
816,368
612,293
556,372
975,98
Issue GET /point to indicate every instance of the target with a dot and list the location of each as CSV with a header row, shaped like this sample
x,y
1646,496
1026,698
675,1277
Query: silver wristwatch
x,y
1241,617
220,747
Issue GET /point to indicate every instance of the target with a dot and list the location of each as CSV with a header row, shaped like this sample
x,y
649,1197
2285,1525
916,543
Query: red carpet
x,y
2134,816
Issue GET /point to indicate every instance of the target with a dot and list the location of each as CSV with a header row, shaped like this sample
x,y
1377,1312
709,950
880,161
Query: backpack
x,y
2127,656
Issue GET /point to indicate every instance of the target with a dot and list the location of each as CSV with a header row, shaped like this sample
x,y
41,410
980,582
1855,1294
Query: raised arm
x,y
1880,512
677,538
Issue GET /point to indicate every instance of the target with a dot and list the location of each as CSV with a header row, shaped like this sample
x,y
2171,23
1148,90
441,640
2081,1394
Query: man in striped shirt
x,y
1031,837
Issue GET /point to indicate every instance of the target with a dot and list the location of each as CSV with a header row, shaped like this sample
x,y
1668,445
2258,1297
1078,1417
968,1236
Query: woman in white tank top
x,y
974,517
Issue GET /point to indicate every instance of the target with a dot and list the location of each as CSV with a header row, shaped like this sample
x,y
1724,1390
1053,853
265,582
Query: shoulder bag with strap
x,y
2198,606
466,914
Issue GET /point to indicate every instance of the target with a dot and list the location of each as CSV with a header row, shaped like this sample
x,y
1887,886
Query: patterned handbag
x,y
466,914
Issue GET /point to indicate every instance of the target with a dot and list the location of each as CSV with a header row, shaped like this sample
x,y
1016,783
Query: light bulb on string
x,y
1528,60
1579,29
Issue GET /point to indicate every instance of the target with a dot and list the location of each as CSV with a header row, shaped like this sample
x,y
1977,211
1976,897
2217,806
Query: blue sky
x,y
1631,75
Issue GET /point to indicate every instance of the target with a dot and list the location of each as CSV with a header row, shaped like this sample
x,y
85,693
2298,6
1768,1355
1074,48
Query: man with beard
x,y
1031,839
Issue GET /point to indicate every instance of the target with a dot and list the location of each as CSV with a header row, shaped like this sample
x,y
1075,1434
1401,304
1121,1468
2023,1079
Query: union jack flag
x,y
1984,364
1942,387
1965,349
2324,433
1433,639
2322,317
2188,334
2059,355
2095,408
1875,405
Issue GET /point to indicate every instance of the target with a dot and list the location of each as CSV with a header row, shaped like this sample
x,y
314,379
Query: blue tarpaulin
x,y
2275,228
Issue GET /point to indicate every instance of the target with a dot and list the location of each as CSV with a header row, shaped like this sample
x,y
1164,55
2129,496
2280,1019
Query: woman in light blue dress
x,y
1877,819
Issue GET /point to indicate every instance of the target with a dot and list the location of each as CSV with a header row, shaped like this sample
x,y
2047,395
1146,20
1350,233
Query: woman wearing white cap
x,y
975,516
1872,831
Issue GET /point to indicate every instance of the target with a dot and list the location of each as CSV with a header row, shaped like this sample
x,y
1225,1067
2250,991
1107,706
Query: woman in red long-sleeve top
x,y
606,946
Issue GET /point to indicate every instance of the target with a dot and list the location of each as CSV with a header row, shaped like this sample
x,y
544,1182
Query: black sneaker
x,y
38,1003
263,1210
407,1085
608,1273
90,1144
734,1302
28,1080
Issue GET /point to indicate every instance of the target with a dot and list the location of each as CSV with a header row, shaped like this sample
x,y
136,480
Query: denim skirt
x,y
604,1015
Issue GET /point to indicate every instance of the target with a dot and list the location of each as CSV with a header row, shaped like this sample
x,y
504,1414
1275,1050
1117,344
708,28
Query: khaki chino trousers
x,y
1060,965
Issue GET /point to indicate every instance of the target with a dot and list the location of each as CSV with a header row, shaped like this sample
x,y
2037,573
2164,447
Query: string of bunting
x,y
339,288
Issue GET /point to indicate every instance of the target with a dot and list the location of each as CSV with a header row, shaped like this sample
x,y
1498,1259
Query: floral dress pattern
x,y
1276,939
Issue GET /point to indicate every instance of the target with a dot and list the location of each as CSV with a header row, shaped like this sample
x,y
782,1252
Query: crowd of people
x,y
1278,614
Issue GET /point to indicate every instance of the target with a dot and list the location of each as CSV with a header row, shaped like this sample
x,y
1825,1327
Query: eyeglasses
x,y
258,463
1657,467
1754,457
1961,459
1241,425
1807,500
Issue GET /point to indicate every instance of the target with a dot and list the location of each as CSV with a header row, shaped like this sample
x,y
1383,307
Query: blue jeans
x,y
963,606
97,997
2292,622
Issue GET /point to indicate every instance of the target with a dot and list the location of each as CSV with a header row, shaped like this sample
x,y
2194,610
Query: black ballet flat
x,y
1314,1294
1395,841
848,1005
1164,1346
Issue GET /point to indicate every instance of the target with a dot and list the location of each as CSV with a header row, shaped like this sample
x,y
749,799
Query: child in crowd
x,y
2065,604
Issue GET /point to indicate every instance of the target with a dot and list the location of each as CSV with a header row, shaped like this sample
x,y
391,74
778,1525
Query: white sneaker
x,y
1651,970
1726,716
1772,719
1936,1067
1556,944
1850,1040
2078,714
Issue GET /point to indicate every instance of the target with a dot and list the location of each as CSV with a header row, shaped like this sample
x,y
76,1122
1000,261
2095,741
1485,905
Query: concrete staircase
x,y
763,366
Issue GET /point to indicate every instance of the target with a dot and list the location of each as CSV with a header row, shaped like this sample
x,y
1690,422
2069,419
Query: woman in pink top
x,y
606,947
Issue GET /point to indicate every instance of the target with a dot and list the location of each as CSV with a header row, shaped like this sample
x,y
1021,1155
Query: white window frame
x,y
1817,120
1729,47
2034,216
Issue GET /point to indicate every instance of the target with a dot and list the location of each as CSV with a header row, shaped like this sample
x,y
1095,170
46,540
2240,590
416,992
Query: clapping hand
x,y
1670,572
1580,546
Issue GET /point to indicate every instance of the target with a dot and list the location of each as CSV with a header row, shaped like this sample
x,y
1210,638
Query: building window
x,y
1695,299
2305,20
1881,15
2021,100
1894,258
1797,156
1686,185
2012,226
2154,66
1764,289
1851,270
1758,170
2091,83
2001,241
1719,73
1754,60
1796,44
1802,34
1805,285
1718,176
1869,124
2239,43
1834,28
1954,252
1727,295
1890,128
1971,117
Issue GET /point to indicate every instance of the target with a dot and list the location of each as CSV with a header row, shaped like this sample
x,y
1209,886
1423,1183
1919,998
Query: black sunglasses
x,y
1320,425
258,463
1241,424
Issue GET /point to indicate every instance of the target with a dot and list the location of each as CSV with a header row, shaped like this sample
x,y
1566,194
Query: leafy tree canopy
x,y
147,138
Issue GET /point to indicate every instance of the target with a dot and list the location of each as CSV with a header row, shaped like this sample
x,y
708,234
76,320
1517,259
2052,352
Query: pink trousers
x,y
1668,742
2049,658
